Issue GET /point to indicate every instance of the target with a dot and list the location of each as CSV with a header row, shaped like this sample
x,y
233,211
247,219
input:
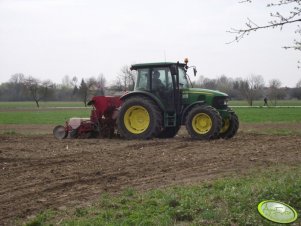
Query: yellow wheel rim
x,y
226,126
136,119
201,123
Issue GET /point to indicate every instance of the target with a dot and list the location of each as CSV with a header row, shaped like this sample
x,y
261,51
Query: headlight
x,y
220,102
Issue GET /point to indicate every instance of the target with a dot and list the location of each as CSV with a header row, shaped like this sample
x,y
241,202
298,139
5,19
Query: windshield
x,y
183,81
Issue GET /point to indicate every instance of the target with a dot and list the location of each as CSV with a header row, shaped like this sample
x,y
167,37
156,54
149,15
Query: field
x,y
116,181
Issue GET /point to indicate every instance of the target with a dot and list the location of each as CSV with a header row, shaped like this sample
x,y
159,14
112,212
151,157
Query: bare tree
x,y
297,90
209,83
67,82
83,92
116,86
274,90
74,81
47,89
17,88
224,84
91,88
199,82
34,87
278,19
298,85
251,88
17,78
100,85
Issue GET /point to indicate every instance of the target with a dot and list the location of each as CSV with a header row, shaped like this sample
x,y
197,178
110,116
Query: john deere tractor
x,y
163,100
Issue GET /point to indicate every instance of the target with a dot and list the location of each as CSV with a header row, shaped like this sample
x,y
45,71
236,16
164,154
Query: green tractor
x,y
163,100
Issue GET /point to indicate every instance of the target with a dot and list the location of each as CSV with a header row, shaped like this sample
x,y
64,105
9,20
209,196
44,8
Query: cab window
x,y
183,82
143,82
161,78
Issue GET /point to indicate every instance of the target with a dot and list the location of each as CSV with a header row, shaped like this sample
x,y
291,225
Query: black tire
x,y
152,125
232,127
169,132
212,124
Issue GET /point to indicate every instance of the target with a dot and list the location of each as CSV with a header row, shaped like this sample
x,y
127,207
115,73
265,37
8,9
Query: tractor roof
x,y
151,65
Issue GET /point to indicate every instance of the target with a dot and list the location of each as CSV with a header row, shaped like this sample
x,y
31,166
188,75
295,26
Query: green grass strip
x,y
245,115
58,116
41,116
228,201
255,115
43,104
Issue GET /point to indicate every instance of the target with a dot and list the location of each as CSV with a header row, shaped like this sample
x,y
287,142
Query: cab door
x,y
165,90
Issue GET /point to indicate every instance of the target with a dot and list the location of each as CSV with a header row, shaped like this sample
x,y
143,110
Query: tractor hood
x,y
214,98
203,92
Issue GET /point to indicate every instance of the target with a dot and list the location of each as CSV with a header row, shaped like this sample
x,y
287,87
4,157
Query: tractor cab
x,y
151,77
163,81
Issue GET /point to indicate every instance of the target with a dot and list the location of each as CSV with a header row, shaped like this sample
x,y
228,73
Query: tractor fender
x,y
188,108
144,94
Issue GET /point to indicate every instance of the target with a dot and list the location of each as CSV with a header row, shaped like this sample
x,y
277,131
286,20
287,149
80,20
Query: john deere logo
x,y
277,212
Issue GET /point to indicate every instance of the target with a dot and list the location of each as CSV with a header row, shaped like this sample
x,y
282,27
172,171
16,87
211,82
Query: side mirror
x,y
194,71
173,69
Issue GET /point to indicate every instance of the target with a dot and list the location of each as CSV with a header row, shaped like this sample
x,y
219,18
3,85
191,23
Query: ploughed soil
x,y
38,172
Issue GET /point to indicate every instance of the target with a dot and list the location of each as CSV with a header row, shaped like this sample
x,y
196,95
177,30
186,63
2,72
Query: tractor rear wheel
x,y
203,123
230,127
139,118
169,132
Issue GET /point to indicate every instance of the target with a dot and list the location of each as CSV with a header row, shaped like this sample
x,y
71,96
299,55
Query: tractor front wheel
x,y
230,127
139,118
203,123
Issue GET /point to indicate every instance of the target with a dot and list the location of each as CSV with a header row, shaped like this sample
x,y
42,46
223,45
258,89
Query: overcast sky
x,y
48,39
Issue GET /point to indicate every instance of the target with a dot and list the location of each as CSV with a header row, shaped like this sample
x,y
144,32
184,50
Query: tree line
x,y
27,88
251,88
